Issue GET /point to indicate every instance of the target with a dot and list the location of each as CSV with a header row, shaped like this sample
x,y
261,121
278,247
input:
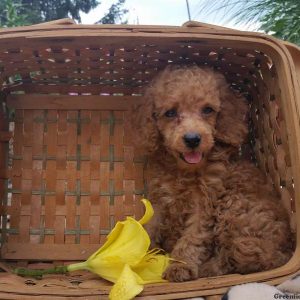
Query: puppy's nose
x,y
192,140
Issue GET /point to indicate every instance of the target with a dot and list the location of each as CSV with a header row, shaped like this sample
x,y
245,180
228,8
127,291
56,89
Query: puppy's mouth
x,y
193,157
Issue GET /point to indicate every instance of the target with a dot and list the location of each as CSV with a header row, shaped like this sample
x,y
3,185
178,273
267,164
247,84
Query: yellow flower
x,y
127,286
125,258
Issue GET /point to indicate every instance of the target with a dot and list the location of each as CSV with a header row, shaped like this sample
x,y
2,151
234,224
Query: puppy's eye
x,y
171,113
207,110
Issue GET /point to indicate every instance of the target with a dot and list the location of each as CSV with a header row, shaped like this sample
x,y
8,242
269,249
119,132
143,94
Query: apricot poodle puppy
x,y
213,210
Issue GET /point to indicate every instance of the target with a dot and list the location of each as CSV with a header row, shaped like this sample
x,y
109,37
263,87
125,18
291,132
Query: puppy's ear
x,y
231,127
145,132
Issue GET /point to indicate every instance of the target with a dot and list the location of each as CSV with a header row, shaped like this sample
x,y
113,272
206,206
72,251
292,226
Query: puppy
x,y
213,210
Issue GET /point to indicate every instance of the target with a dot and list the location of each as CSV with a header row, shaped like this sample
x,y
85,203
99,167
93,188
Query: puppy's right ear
x,y
145,132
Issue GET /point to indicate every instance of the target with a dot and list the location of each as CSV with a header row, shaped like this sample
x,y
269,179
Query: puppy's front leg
x,y
193,248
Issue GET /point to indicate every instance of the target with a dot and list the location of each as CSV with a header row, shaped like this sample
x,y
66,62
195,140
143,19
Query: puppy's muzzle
x,y
192,140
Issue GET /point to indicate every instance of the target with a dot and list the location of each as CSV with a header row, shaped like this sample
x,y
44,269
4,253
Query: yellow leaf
x,y
149,212
128,244
127,286
151,267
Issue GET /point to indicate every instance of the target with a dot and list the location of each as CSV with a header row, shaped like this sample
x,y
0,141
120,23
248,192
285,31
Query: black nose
x,y
192,140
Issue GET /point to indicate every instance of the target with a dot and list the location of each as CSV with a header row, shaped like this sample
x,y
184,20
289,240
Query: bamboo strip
x,y
65,102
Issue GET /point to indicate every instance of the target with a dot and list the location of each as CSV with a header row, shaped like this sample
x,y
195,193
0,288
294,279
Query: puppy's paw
x,y
178,272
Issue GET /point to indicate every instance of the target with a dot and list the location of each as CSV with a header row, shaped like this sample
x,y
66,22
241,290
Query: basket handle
x,y
65,21
200,25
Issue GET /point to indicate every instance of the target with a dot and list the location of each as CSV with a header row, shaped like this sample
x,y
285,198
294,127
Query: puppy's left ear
x,y
146,135
231,127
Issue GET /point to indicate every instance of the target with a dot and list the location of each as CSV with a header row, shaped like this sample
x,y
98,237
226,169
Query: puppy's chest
x,y
184,196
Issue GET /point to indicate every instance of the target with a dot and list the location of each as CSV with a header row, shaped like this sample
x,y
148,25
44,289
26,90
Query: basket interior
x,y
69,170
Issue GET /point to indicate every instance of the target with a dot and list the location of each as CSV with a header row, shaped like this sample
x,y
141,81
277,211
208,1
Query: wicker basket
x,y
68,167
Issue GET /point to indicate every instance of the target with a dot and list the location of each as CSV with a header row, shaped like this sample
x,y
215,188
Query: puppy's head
x,y
186,110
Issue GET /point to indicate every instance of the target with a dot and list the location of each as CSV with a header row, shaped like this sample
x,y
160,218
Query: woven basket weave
x,y
68,168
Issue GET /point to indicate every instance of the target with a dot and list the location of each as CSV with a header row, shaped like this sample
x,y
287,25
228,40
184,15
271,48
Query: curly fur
x,y
219,215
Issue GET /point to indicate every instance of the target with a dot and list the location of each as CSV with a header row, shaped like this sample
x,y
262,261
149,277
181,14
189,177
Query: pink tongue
x,y
193,157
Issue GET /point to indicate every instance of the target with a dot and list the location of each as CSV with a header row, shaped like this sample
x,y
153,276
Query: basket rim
x,y
187,27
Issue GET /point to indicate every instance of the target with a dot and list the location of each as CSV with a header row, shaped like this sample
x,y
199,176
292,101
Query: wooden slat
x,y
66,252
66,102
123,28
67,89
5,173
216,297
5,136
